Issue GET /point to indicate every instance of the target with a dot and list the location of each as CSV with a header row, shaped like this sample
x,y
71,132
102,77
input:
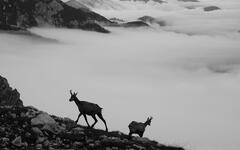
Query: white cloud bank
x,y
189,84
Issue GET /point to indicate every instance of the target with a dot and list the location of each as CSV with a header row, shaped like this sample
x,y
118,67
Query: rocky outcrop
x,y
29,128
31,13
211,8
152,20
9,96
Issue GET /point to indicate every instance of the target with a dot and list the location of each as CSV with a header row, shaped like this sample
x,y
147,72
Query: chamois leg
x,y
95,119
86,119
78,117
101,117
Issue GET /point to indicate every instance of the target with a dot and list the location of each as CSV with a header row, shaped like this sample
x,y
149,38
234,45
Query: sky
x,y
185,75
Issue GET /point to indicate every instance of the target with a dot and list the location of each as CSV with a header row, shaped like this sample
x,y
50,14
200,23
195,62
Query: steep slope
x,y
30,13
29,128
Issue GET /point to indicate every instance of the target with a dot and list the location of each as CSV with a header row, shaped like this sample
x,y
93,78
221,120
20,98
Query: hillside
x,y
29,128
37,13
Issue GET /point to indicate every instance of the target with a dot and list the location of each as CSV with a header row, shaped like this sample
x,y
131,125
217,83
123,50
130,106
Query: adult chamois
x,y
138,127
87,108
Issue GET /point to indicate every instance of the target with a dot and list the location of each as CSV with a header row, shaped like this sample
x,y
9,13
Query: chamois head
x,y
149,120
73,96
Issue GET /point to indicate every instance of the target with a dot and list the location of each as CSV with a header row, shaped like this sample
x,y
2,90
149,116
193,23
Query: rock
x,y
4,142
39,147
211,8
46,144
139,147
52,128
40,140
27,135
143,140
152,20
78,144
17,141
42,119
37,131
8,96
77,131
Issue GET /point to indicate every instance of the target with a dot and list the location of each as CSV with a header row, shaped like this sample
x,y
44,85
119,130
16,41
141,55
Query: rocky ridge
x,y
27,128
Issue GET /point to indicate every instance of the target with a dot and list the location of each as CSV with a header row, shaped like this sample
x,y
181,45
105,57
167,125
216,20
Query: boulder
x,y
42,119
17,141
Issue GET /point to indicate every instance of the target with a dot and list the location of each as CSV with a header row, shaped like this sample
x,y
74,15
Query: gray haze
x,y
186,75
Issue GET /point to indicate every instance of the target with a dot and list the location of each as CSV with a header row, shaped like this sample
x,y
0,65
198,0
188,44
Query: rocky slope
x,y
31,13
27,128
8,96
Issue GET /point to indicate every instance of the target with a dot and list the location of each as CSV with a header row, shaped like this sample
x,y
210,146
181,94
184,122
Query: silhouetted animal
x,y
138,127
87,108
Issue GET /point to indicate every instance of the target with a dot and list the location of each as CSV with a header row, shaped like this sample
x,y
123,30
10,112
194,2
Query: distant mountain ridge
x,y
32,13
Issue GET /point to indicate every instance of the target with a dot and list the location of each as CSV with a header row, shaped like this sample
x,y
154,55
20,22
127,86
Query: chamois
x,y
138,127
87,108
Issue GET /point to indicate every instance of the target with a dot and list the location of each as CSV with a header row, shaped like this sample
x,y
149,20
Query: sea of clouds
x,y
186,74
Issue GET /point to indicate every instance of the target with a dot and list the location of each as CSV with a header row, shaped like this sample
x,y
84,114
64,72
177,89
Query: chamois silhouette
x,y
138,127
87,108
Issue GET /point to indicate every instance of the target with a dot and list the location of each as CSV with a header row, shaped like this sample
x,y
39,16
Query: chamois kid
x,y
138,127
87,108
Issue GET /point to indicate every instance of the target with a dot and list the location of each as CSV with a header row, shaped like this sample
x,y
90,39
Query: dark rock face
x,y
29,128
30,13
9,96
152,20
211,8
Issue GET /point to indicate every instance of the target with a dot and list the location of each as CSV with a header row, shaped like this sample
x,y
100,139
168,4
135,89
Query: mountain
x,y
34,13
26,127
97,4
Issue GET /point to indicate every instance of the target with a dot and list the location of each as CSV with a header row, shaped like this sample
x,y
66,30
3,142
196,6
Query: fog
x,y
186,75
